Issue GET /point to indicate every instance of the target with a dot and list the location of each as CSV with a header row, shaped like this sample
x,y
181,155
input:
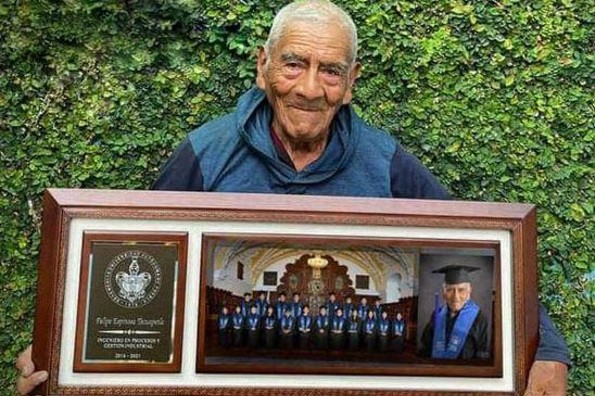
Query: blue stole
x,y
320,324
281,309
238,320
253,321
384,326
378,312
370,325
223,321
338,323
362,311
399,327
332,308
269,322
287,322
305,321
347,309
245,308
261,307
451,350
296,309
353,325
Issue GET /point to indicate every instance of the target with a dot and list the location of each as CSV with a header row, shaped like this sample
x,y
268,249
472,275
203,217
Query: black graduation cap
x,y
454,274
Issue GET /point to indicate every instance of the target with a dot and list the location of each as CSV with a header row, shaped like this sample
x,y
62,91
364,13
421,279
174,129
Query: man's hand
x,y
29,378
547,378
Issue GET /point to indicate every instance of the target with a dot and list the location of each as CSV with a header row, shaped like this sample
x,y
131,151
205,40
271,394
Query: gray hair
x,y
313,11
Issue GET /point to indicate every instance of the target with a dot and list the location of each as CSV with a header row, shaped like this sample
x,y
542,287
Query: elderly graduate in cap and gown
x,y
458,329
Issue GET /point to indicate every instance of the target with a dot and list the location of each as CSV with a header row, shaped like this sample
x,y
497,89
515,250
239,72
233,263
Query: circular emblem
x,y
132,279
316,286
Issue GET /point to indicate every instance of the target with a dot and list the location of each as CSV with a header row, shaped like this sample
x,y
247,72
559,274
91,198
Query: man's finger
x,y
24,363
25,385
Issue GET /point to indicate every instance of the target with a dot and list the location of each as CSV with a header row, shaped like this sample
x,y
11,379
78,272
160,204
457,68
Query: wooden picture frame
x,y
509,229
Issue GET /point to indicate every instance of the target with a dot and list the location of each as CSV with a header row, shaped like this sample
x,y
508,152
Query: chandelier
x,y
317,263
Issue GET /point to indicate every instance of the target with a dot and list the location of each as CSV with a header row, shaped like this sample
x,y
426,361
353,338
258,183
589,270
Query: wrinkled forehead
x,y
305,39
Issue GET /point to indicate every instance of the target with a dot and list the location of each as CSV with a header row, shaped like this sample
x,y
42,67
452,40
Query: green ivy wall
x,y
496,97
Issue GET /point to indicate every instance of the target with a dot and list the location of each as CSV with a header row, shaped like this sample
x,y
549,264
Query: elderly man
x,y
458,329
295,133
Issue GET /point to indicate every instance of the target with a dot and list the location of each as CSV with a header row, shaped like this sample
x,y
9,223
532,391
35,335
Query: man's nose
x,y
309,85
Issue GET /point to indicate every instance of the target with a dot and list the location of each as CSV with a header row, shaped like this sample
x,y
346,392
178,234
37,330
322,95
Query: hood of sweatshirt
x,y
254,117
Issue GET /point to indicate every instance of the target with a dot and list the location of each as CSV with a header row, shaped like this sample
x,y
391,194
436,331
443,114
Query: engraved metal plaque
x,y
127,307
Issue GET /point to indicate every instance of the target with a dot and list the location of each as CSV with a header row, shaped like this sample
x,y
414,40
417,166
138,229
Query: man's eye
x,y
292,65
333,72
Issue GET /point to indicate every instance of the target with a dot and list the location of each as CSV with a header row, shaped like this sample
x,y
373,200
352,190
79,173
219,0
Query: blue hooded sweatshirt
x,y
235,153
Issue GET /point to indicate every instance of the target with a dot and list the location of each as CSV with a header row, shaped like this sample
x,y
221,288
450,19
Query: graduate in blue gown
x,y
383,332
269,324
399,333
370,330
224,328
238,326
261,304
253,327
287,330
321,327
354,331
304,324
337,330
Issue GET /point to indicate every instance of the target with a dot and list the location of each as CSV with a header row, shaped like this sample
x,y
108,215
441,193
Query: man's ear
x,y
260,68
353,76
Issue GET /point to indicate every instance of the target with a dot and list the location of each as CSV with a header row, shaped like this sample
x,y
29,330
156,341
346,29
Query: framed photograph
x,y
249,294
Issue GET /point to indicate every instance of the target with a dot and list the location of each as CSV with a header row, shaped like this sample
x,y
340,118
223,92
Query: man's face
x,y
307,77
348,300
364,301
296,298
282,297
456,295
247,298
261,296
332,298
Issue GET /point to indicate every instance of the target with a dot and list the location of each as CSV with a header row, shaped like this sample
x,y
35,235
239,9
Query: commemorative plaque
x,y
118,269
130,304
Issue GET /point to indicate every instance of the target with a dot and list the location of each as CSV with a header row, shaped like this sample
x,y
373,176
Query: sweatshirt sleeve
x,y
181,172
551,345
411,179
